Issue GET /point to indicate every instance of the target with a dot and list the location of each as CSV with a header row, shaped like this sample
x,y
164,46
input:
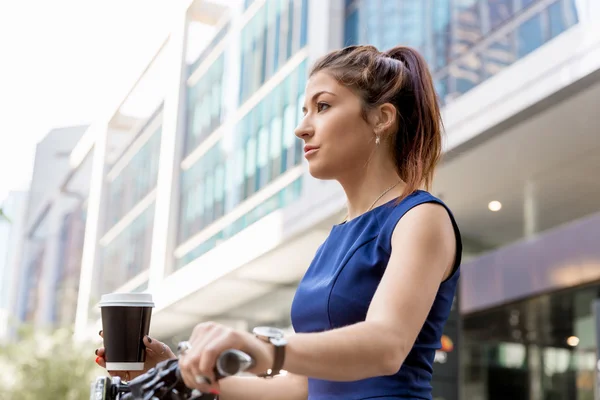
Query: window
x,y
250,165
275,146
351,29
277,31
219,190
128,254
263,157
282,199
276,36
304,24
299,144
530,35
498,55
208,198
290,28
468,26
562,14
526,3
229,184
135,181
205,107
289,117
253,156
499,12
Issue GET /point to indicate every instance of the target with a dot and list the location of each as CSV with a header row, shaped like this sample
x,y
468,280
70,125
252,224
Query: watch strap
x,y
278,358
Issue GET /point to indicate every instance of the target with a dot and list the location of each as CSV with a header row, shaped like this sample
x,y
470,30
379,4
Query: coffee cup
x,y
125,322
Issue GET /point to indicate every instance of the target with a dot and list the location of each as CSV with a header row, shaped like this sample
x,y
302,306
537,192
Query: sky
x,y
63,62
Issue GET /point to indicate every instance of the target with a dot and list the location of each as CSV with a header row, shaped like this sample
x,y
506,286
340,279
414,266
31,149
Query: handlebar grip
x,y
232,362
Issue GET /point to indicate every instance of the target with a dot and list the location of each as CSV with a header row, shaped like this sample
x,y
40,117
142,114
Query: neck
x,y
364,186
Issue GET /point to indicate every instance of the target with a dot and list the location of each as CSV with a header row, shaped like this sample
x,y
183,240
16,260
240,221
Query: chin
x,y
318,172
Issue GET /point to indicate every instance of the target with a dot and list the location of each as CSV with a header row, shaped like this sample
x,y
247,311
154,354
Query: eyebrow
x,y
316,95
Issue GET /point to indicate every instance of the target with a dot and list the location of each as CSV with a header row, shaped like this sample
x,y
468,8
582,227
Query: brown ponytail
x,y
401,77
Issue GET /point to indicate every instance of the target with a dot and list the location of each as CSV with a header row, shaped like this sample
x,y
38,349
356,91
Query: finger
x,y
157,358
214,346
101,333
201,329
101,361
100,351
196,353
189,378
158,348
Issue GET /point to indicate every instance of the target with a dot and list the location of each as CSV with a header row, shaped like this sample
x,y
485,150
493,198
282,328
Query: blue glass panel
x,y
530,35
281,199
304,24
351,29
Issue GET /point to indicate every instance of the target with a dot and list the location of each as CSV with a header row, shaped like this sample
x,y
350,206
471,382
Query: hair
x,y
399,76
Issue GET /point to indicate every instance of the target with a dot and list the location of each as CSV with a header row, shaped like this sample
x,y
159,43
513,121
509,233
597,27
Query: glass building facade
x,y
127,253
204,106
273,35
261,146
134,182
465,42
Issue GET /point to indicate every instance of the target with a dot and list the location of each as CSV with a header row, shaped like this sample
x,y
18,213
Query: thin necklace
x,y
378,198
382,194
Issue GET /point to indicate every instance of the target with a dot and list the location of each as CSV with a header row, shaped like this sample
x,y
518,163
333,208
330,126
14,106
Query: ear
x,y
384,118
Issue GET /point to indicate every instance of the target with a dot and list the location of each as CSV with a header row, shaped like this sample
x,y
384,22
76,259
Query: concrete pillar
x,y
164,233
93,228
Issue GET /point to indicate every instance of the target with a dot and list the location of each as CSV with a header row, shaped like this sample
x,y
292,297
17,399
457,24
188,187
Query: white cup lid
x,y
126,300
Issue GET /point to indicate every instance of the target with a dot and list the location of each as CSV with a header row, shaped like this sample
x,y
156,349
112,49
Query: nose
x,y
304,130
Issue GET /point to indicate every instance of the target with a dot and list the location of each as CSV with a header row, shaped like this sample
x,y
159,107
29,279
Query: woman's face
x,y
338,140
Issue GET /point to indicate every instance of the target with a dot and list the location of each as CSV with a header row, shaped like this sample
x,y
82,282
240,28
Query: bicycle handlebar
x,y
165,382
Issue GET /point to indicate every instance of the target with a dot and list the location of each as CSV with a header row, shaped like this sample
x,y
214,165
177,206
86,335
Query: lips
x,y
308,148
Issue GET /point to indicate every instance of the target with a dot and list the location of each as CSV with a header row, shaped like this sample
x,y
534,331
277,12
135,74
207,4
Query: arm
x,y
291,387
423,252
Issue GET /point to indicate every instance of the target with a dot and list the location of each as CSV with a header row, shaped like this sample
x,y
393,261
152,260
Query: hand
x,y
208,341
156,352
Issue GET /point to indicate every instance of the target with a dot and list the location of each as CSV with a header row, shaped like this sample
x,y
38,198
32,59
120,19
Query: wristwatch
x,y
276,338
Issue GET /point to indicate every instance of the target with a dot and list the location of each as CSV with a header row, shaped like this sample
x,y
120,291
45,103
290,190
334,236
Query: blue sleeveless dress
x,y
338,287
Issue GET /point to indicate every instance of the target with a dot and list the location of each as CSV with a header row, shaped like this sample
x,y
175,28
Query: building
x,y
184,179
205,201
11,231
47,249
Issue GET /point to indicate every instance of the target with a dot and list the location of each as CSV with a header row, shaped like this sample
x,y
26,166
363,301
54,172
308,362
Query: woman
x,y
370,310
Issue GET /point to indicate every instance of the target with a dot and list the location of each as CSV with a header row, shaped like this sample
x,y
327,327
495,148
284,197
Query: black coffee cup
x,y
125,322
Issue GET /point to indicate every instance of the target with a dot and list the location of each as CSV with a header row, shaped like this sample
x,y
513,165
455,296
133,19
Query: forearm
x,y
290,387
355,352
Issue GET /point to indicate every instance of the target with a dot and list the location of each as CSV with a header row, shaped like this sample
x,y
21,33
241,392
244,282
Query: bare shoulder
x,y
426,228
426,217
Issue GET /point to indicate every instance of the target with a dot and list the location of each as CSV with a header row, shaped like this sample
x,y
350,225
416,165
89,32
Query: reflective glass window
x,y
255,152
204,106
135,181
272,36
530,35
499,12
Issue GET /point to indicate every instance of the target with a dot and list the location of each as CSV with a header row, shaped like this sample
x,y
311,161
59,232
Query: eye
x,y
322,106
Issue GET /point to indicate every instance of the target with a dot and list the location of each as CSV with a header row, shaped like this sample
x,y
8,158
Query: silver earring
x,y
377,140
